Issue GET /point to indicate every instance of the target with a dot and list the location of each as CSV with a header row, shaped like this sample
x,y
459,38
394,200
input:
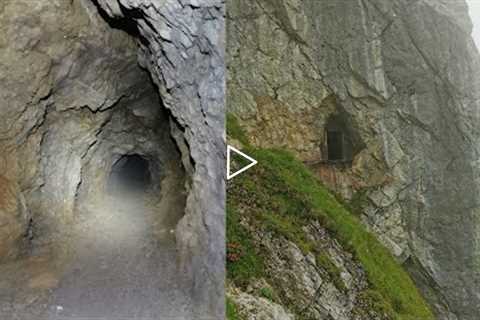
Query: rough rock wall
x,y
74,99
182,45
303,282
403,75
61,92
59,68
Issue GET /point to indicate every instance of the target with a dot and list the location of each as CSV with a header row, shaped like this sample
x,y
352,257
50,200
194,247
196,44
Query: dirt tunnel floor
x,y
121,265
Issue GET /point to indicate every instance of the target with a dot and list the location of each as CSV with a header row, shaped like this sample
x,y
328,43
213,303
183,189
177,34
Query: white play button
x,y
250,159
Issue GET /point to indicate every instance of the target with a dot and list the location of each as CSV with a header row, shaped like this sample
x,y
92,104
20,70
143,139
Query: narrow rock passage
x,y
122,268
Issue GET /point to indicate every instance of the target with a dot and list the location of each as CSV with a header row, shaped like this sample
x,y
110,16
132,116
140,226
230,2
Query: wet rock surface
x,y
404,76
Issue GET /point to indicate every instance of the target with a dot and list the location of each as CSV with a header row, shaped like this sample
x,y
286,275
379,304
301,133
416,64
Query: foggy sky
x,y
474,9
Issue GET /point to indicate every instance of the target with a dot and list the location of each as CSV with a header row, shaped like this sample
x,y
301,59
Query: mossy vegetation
x,y
282,196
373,300
324,261
243,261
232,313
267,293
235,130
358,201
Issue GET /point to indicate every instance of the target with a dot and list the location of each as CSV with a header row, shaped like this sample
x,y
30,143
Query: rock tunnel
x,y
338,140
130,173
97,168
341,141
104,177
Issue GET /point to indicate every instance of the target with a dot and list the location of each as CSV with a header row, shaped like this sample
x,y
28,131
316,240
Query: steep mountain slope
x,y
295,252
394,84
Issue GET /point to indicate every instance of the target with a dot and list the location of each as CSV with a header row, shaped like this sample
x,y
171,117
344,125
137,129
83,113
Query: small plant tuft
x,y
243,261
232,313
324,261
235,131
267,293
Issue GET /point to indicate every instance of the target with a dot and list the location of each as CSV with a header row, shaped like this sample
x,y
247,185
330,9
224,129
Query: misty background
x,y
474,9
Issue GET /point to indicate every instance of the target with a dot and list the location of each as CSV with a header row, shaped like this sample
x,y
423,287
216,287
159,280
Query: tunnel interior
x,y
130,173
99,131
341,141
338,142
335,145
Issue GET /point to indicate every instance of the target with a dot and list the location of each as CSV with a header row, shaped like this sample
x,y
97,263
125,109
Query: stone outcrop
x,y
330,286
74,100
258,308
403,77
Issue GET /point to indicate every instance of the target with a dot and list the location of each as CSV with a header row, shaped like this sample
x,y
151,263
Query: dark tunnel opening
x,y
130,173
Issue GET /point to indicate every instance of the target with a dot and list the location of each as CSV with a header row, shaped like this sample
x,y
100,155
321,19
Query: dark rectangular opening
x,y
335,145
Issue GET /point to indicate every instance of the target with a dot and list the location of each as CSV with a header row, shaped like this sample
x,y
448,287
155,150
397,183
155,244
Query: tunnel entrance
x,y
335,145
130,173
341,142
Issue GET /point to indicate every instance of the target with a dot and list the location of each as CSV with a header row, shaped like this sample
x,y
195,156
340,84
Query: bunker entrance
x,y
335,144
130,173
340,143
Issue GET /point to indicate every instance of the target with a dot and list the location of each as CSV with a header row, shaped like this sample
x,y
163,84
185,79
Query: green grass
x,y
235,130
281,195
357,203
324,261
267,293
288,196
373,300
232,313
250,263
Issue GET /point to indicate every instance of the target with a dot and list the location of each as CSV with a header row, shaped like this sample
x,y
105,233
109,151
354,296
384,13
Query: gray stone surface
x,y
404,75
302,286
183,48
74,100
52,53
257,308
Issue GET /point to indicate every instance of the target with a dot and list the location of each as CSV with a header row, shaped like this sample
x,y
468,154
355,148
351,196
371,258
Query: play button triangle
x,y
231,149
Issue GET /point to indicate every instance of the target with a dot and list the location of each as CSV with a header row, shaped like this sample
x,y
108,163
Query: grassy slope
x,y
282,195
232,311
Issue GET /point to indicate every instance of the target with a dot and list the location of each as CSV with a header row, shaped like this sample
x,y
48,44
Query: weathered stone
x,y
256,308
405,76
75,101
191,83
299,284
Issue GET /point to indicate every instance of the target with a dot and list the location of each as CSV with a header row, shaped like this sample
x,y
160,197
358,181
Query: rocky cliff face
x,y
399,81
59,86
327,286
182,46
74,101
